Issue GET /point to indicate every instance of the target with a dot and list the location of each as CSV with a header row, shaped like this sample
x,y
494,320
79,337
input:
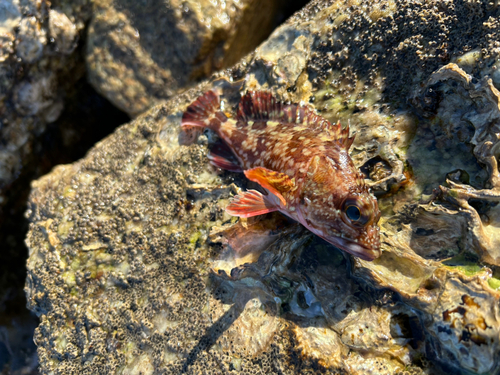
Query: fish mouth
x,y
355,248
345,244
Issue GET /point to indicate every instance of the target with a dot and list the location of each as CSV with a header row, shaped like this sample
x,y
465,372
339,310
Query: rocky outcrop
x,y
131,268
38,65
138,55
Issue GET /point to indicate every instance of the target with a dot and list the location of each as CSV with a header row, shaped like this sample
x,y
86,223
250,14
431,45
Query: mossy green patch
x,y
465,263
494,283
195,237
69,278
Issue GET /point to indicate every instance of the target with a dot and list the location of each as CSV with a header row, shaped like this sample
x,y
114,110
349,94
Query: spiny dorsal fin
x,y
259,105
263,106
340,135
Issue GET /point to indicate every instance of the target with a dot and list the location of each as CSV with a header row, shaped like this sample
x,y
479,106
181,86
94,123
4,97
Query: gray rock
x,y
35,81
10,15
31,39
131,266
62,31
140,53
37,68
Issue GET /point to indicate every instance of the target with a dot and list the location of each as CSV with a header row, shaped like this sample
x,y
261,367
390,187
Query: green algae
x,y
69,278
494,283
195,237
465,263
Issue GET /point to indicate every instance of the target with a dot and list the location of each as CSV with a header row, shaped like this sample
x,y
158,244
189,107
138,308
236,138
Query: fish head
x,y
336,204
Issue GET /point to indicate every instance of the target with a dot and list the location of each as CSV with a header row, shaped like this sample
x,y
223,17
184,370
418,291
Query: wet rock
x,y
135,266
40,69
10,15
480,111
37,69
138,54
6,48
465,323
62,32
31,39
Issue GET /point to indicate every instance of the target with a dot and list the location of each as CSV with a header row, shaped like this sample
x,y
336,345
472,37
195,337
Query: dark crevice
x,y
288,8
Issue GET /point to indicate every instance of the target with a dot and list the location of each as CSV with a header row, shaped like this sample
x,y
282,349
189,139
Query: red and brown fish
x,y
302,162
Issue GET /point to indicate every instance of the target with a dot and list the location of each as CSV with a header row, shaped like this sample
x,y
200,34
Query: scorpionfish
x,y
302,163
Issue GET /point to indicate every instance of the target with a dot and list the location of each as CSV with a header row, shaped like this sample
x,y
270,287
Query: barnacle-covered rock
x,y
41,89
134,265
34,83
37,69
474,105
465,323
138,55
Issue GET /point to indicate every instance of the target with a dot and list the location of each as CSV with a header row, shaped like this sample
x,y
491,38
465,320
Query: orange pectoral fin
x,y
276,182
250,203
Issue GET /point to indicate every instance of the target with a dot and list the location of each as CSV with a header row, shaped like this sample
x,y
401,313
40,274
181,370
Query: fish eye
x,y
354,213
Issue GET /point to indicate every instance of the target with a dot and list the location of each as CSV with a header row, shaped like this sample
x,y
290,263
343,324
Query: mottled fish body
x,y
302,162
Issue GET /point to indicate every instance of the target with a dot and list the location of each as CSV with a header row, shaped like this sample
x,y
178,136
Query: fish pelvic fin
x,y
251,203
223,163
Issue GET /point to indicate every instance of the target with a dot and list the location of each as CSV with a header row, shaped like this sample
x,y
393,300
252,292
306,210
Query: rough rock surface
x,y
86,119
131,268
40,67
139,53
38,64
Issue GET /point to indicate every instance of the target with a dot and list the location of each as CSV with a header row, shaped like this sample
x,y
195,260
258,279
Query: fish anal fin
x,y
276,182
250,203
221,156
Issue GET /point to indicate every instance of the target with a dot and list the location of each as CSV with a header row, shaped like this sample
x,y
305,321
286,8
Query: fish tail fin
x,y
204,112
